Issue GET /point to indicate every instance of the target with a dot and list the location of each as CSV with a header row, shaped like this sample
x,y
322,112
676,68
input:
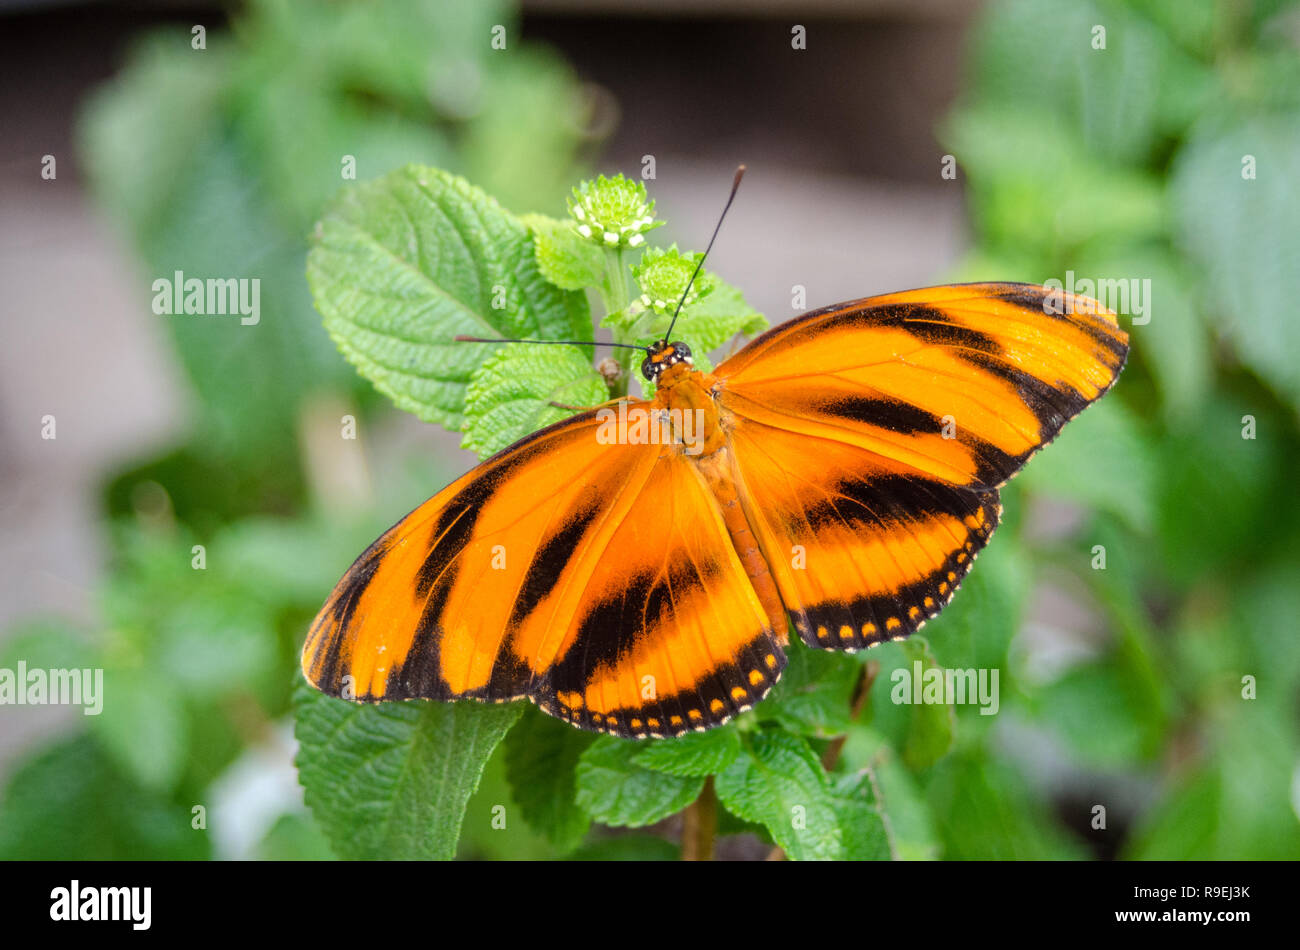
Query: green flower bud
x,y
612,212
663,275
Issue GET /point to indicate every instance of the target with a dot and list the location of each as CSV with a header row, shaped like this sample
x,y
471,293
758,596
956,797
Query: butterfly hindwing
x,y
671,636
861,550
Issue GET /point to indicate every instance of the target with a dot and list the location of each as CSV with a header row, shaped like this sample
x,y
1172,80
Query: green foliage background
x,y
1125,162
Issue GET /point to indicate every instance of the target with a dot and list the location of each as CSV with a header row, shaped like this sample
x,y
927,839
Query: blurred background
x,y
197,504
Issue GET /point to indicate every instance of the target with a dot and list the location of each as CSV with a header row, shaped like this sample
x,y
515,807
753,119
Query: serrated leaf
x,y
1241,232
814,694
402,264
863,834
391,780
510,395
566,259
615,790
893,790
696,753
778,782
541,756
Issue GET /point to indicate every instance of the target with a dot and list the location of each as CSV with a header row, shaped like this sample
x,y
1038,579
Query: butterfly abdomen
x,y
716,469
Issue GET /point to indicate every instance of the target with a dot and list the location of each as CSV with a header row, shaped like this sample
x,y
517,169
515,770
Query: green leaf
x,y
144,726
863,833
1117,100
1216,493
541,755
299,130
294,838
1266,603
391,780
531,95
1184,826
974,631
165,86
70,801
1103,460
1240,803
1098,713
615,790
401,265
777,781
248,378
1033,187
814,694
932,725
696,753
986,810
566,259
218,641
494,827
1174,343
1242,234
47,643
510,395
905,813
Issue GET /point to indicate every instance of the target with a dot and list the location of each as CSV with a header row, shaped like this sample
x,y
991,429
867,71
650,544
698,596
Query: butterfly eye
x,y
646,370
683,350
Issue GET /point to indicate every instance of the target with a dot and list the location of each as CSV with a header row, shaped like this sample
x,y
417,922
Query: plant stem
x,y
700,824
618,288
616,295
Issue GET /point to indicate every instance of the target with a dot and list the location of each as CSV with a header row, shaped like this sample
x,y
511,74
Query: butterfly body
x,y
836,477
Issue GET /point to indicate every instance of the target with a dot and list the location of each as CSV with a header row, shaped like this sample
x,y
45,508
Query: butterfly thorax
x,y
684,389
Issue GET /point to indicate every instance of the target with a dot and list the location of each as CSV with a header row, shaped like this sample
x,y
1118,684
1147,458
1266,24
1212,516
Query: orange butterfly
x,y
839,477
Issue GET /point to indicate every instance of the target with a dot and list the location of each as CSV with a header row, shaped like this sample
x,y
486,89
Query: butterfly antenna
x,y
735,184
497,339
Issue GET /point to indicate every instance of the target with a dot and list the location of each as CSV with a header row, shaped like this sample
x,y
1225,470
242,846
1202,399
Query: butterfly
x,y
839,477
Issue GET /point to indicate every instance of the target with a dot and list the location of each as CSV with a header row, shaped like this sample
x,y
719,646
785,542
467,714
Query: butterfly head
x,y
660,355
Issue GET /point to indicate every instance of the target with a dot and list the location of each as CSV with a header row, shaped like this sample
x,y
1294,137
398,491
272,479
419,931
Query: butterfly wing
x,y
869,439
594,578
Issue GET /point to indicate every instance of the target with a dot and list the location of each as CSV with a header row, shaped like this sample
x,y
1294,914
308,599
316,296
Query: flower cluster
x,y
613,212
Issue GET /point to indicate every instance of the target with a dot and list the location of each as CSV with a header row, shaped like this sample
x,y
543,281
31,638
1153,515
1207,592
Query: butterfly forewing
x,y
960,383
862,550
